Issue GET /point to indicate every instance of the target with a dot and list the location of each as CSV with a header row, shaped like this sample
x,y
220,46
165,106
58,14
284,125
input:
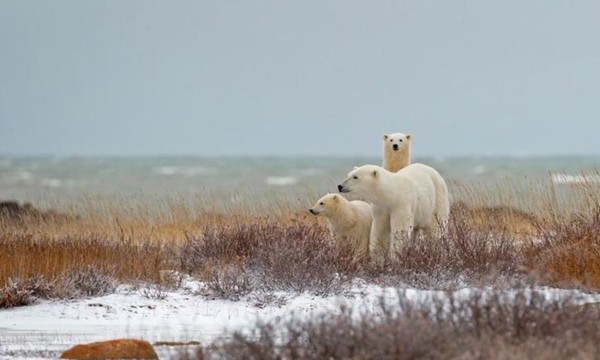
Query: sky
x,y
309,78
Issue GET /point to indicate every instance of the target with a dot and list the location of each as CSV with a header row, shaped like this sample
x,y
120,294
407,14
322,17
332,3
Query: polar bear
x,y
348,221
396,151
403,203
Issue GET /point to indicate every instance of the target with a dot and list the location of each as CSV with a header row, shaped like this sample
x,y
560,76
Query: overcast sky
x,y
299,77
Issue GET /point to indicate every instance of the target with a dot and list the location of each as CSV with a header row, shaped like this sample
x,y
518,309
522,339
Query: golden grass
x,y
134,239
570,252
502,219
137,238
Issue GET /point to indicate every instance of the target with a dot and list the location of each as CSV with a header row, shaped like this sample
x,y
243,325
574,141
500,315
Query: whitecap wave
x,y
310,172
575,179
53,183
19,177
189,171
281,180
479,169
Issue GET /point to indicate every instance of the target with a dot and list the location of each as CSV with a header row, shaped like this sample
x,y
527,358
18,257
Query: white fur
x,y
403,203
348,221
396,151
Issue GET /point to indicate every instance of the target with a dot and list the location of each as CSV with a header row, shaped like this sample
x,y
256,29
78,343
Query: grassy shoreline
x,y
545,241
507,237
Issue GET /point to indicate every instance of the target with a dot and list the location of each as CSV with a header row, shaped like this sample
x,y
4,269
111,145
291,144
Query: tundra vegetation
x,y
508,235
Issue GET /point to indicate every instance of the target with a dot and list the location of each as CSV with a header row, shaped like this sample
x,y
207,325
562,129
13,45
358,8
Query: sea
x,y
48,181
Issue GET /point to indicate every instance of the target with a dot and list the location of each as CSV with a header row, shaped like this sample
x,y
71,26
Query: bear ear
x,y
335,197
374,173
408,136
385,136
356,168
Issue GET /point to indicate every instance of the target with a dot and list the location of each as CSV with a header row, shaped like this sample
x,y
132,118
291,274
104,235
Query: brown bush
x,y
15,293
223,245
303,260
569,254
484,325
296,257
89,280
227,283
462,256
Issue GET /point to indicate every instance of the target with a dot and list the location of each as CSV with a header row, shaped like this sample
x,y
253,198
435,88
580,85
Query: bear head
x,y
396,141
326,205
361,181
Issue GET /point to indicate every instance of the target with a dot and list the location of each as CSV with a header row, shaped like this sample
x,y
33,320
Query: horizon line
x,y
288,156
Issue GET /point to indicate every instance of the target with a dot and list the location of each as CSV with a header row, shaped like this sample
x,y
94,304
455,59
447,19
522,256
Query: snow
x,y
47,328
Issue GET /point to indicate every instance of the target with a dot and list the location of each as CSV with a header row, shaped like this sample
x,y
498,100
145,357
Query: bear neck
x,y
344,216
394,161
379,194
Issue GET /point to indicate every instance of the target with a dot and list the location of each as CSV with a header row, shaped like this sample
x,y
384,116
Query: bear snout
x,y
342,189
395,147
312,211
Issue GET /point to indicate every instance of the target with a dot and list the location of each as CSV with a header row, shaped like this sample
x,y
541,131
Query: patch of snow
x,y
47,328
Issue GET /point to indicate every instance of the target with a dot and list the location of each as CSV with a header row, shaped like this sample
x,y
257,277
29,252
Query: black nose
x,y
395,146
340,187
311,211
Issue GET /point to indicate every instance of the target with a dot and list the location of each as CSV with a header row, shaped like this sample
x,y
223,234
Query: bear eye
x,y
355,177
400,140
321,203
391,140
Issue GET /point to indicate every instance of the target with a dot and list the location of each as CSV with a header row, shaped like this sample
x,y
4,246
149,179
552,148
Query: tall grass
x,y
516,230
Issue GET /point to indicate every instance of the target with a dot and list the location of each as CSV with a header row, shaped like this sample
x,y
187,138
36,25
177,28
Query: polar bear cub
x,y
348,221
403,203
396,151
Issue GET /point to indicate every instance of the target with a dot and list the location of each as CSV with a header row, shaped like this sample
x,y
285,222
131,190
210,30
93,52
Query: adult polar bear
x,y
396,151
403,203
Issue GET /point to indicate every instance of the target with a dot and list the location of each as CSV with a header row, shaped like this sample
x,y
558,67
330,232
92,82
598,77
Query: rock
x,y
13,208
112,349
25,214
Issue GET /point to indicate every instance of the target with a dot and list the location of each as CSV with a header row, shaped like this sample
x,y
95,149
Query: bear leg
x,y
402,230
379,240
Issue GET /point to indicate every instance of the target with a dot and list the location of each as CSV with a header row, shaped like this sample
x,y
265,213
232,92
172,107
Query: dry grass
x,y
569,254
29,256
482,326
536,232
502,219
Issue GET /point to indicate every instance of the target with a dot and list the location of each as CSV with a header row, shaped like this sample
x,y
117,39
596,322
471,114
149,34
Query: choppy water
x,y
37,179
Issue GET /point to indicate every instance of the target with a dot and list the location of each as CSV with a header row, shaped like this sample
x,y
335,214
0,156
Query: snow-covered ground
x,y
47,328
